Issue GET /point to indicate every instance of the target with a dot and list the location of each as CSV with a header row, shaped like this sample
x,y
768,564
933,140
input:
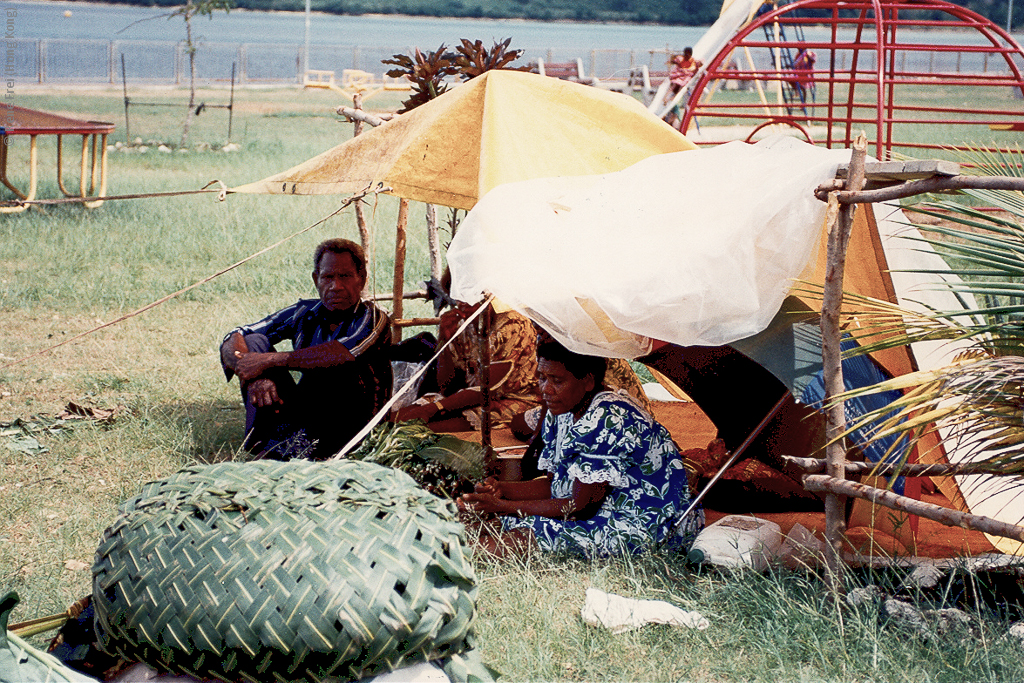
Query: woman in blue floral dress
x,y
615,482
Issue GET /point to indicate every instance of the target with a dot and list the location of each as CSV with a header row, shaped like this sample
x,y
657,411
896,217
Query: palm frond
x,y
976,402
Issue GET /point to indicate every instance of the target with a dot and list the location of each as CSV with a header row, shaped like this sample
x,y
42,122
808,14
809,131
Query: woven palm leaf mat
x,y
287,571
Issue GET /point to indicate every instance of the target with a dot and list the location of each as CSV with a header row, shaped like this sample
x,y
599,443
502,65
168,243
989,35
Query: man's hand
x,y
249,366
263,393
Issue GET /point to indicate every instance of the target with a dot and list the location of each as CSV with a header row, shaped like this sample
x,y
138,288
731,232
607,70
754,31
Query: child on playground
x,y
684,67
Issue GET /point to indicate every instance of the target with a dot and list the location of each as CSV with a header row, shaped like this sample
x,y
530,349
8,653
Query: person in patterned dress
x,y
513,366
615,483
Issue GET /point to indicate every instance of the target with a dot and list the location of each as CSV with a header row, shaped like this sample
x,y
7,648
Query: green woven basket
x,y
284,571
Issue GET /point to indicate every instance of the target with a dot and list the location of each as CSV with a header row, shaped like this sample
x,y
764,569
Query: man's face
x,y
338,281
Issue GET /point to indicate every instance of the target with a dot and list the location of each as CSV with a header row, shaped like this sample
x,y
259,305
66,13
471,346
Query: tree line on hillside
x,y
680,13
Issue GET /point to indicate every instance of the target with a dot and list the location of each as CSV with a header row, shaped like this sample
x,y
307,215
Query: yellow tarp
x,y
501,127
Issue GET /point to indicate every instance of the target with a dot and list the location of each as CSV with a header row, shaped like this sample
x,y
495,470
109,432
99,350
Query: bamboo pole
x,y
817,466
399,282
946,516
835,419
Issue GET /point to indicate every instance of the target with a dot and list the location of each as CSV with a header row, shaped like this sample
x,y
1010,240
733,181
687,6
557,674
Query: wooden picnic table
x,y
33,123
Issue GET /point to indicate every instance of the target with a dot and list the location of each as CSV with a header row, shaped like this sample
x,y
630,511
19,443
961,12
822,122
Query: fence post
x,y
110,63
41,60
177,63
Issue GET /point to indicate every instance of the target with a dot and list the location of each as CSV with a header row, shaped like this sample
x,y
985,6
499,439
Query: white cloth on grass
x,y
619,614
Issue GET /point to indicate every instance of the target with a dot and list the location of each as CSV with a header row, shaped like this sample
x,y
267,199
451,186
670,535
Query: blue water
x,y
122,22
87,42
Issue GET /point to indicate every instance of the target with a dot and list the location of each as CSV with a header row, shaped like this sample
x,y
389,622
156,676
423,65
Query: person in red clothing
x,y
684,67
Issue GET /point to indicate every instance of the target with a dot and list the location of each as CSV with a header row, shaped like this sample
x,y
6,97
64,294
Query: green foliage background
x,y
683,12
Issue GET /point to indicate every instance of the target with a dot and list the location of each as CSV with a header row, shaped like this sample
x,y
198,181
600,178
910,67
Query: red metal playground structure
x,y
832,69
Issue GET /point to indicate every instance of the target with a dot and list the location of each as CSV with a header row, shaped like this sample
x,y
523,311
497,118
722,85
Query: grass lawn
x,y
66,269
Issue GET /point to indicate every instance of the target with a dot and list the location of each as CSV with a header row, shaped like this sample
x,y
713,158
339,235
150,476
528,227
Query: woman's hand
x,y
482,502
490,486
422,412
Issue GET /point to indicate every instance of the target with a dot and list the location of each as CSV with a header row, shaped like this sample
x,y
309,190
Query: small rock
x,y
164,148
142,149
906,616
138,141
111,148
925,576
183,150
231,147
1016,633
860,596
951,621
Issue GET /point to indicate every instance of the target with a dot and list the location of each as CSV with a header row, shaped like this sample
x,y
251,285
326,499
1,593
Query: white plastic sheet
x,y
694,248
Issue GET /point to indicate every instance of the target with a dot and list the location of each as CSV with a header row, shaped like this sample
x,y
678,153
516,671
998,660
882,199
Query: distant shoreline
x,y
378,15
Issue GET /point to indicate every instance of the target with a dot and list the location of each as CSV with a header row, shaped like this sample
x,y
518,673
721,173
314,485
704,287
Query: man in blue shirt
x,y
340,345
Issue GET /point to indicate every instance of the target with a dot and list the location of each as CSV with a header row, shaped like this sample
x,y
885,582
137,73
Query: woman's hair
x,y
578,365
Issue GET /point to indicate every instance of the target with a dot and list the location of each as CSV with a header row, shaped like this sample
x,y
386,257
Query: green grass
x,y
65,269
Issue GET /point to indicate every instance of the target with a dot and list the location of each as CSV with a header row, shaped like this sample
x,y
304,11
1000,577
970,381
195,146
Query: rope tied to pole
x,y
348,202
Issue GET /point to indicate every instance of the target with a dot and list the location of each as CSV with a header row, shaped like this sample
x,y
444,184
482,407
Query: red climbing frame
x,y
873,73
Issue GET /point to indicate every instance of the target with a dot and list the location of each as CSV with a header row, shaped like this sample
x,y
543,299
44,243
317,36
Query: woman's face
x,y
560,390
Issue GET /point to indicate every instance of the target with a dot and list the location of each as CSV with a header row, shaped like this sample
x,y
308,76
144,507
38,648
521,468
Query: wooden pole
x,y
353,114
483,326
840,225
433,242
916,187
831,485
910,469
399,283
364,232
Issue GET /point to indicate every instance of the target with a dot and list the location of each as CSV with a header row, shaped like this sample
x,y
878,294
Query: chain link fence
x,y
165,62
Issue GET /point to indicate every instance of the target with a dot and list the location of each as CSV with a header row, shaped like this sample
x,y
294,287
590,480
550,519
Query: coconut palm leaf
x,y
979,399
443,464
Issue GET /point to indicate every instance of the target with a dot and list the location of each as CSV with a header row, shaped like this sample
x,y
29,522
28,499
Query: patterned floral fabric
x,y
512,338
620,375
618,443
